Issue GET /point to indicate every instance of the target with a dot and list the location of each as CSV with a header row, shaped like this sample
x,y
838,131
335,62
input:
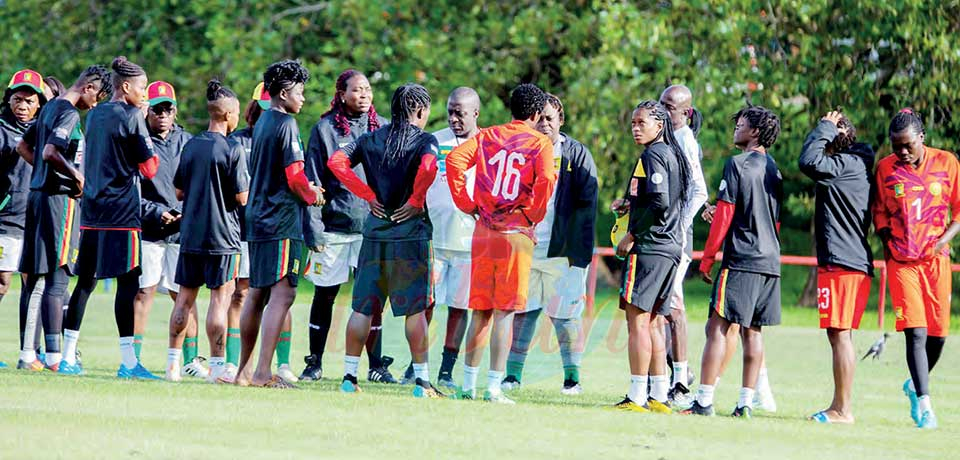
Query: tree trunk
x,y
808,297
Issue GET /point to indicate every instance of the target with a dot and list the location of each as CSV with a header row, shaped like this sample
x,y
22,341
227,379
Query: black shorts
x,y
746,298
51,237
398,270
195,270
272,261
108,253
648,282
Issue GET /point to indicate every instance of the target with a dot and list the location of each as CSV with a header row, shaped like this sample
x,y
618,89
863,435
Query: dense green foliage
x,y
600,57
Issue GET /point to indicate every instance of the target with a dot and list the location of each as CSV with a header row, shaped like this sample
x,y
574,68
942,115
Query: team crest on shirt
x,y
898,311
74,254
556,163
898,190
936,189
317,267
296,146
656,178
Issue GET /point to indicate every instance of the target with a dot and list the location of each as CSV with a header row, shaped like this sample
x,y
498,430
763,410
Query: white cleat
x,y
763,400
575,390
195,369
173,373
497,398
285,373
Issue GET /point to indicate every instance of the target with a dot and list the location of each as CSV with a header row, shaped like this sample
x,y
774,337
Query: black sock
x,y
449,360
934,348
78,302
321,315
127,286
917,359
51,305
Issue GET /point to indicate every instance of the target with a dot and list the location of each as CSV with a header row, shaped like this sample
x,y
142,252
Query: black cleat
x,y
510,383
697,409
742,412
313,371
382,374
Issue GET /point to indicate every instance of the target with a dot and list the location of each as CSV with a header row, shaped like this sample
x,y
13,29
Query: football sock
x,y
173,356
52,342
78,303
190,350
515,369
216,364
127,355
568,335
638,389
448,362
350,365
53,357
28,356
746,397
493,381
524,326
283,348
421,371
571,373
705,395
680,372
374,343
137,344
70,339
233,346
470,377
925,403
763,382
321,316
660,385
917,359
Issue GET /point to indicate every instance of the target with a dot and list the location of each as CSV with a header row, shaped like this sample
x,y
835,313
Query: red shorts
x,y
499,269
842,297
920,294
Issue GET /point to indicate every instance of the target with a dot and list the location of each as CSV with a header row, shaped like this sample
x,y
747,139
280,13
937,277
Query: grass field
x,y
97,416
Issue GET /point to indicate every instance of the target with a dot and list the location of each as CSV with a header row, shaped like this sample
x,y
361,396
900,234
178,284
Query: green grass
x,y
97,416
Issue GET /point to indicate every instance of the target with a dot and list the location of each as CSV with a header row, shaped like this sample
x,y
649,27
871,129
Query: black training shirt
x,y
656,207
273,211
15,181
752,182
159,190
58,125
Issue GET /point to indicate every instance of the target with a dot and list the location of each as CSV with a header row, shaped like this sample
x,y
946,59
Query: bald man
x,y
678,100
452,229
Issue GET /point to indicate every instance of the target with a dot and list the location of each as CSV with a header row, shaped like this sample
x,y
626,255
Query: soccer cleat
x,y
628,405
510,383
285,373
658,407
138,372
498,398
446,381
3,365
314,369
911,395
423,389
66,368
763,400
33,366
927,420
173,373
742,412
571,388
54,368
697,409
382,374
408,376
466,394
679,396
195,369
349,384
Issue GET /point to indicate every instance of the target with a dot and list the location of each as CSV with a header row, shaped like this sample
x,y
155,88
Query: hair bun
x,y
118,62
213,87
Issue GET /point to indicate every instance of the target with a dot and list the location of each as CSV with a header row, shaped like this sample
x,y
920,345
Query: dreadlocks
x,y
846,137
696,121
906,119
763,120
339,108
124,70
283,75
554,102
407,99
526,100
94,74
659,112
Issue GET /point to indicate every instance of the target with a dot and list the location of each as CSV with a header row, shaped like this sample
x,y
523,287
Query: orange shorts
x,y
920,294
842,297
499,269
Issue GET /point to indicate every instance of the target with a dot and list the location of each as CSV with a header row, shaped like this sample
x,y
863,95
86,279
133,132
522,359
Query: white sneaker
x,y
575,390
497,398
216,373
173,372
285,373
763,400
195,369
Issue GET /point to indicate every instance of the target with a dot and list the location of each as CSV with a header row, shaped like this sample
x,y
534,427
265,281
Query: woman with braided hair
x,y
395,257
337,229
917,188
652,250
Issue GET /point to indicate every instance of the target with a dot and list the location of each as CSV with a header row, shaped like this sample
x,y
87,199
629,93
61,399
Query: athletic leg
x,y
240,291
752,361
282,295
71,323
844,364
142,305
249,328
180,316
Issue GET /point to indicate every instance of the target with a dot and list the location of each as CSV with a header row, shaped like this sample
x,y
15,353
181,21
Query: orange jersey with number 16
x,y
514,176
917,204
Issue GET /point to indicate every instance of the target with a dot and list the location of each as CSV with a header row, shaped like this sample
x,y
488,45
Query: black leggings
x,y
923,352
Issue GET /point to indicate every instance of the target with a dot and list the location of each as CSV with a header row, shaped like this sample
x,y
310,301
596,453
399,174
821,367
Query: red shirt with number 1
x,y
916,204
515,176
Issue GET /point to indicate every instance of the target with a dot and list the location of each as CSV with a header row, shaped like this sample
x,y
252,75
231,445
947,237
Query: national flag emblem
x,y
159,92
261,95
27,78
898,191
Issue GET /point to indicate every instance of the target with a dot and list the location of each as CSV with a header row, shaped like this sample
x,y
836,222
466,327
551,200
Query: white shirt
x,y
543,230
452,229
698,196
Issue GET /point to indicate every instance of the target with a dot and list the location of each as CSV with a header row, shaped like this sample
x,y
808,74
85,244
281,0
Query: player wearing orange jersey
x,y
916,213
514,181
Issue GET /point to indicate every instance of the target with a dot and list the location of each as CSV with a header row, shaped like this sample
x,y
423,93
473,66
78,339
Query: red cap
x,y
161,91
262,97
27,78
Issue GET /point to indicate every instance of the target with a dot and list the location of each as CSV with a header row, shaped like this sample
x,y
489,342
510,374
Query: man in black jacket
x,y
565,241
841,169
